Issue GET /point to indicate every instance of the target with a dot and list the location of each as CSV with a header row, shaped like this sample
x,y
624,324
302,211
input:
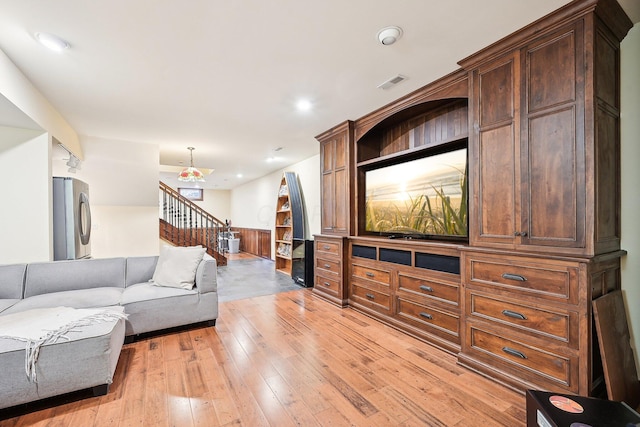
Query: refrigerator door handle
x,y
84,219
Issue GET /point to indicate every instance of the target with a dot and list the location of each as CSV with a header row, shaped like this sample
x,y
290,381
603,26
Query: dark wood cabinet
x,y
542,111
544,150
405,286
494,153
329,256
336,189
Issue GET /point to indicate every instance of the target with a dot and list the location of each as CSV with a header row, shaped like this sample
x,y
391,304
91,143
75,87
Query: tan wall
x,y
253,205
25,223
630,133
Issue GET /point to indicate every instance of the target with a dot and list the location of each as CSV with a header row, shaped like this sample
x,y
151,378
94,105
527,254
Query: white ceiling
x,y
224,76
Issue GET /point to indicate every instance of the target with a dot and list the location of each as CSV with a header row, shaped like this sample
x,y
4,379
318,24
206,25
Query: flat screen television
x,y
420,198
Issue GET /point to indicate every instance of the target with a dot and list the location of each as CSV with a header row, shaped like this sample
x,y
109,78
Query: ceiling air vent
x,y
392,82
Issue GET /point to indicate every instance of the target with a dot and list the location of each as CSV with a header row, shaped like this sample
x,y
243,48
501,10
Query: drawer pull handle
x,y
370,296
326,247
327,266
327,284
426,315
513,352
514,314
426,288
516,277
369,274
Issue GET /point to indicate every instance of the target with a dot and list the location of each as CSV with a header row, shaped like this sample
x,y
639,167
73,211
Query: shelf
x,y
289,221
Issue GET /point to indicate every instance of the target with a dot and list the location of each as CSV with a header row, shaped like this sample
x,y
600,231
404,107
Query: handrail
x,y
184,223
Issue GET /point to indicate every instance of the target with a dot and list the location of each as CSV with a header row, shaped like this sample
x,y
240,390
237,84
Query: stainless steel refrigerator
x,y
71,219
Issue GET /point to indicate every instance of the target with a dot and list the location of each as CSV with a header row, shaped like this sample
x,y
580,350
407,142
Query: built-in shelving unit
x,y
289,221
512,296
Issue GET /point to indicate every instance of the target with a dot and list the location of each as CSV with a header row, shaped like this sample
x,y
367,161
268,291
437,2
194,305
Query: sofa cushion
x,y
47,277
148,291
177,266
12,280
6,303
81,298
87,357
140,269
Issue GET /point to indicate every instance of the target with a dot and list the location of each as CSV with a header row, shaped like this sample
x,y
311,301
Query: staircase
x,y
183,223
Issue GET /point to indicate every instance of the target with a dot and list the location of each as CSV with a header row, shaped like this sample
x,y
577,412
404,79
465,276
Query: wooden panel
x,y
429,318
443,124
373,274
549,281
496,94
328,199
516,355
371,298
429,287
558,324
327,284
328,153
553,198
607,72
497,186
329,280
329,265
340,151
341,201
548,88
608,186
614,339
254,241
326,247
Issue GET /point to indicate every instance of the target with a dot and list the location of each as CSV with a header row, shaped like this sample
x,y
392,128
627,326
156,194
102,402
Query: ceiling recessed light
x,y
239,175
303,105
389,35
52,42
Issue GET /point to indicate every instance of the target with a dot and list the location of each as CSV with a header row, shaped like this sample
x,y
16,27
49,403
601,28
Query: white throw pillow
x,y
177,266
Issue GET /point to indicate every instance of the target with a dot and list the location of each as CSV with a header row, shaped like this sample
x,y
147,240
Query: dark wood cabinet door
x,y
335,184
553,141
494,152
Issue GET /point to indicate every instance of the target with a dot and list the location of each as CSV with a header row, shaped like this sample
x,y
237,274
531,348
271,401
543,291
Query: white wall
x,y
253,205
18,89
123,193
630,135
216,202
25,223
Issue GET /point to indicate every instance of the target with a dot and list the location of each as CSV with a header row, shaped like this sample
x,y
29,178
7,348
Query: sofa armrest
x,y
206,275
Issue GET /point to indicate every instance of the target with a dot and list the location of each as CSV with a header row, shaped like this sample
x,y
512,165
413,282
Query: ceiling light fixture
x,y
191,174
389,35
52,42
303,105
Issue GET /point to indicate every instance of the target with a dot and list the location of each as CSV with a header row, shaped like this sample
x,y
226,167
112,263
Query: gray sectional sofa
x,y
86,356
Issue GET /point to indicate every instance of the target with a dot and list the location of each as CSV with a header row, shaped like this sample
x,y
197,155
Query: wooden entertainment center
x,y
539,114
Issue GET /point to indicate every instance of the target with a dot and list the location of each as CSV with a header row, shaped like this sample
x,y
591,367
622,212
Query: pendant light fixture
x,y
191,174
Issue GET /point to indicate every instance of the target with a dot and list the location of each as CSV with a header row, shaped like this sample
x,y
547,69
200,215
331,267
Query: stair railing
x,y
183,223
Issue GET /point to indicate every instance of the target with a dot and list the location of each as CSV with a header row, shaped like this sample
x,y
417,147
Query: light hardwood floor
x,y
285,360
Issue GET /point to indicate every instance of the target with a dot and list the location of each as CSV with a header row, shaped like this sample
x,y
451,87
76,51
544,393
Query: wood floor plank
x,y
283,360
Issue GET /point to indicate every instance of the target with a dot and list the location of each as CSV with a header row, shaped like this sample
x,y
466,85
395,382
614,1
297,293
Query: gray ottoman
x,y
85,358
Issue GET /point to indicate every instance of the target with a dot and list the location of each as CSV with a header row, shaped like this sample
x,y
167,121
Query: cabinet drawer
x,y
328,285
428,318
328,247
550,281
369,273
554,323
526,361
371,298
430,288
329,265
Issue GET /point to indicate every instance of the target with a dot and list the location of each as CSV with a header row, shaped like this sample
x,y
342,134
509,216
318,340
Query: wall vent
x,y
392,82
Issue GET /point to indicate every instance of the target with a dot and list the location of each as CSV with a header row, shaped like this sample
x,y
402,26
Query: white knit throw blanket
x,y
41,326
